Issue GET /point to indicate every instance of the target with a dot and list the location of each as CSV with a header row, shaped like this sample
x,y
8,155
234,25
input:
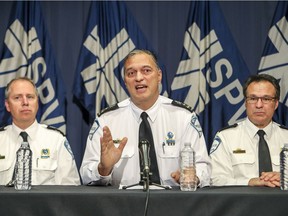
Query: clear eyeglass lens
x,y
264,100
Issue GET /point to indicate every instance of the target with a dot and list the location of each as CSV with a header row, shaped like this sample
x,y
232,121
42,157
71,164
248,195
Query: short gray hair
x,y
7,90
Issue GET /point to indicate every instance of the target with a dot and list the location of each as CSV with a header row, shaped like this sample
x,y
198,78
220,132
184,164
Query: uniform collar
x,y
152,111
31,130
252,129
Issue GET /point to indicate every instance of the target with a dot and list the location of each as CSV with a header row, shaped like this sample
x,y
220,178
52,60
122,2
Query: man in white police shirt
x,y
115,160
52,159
234,153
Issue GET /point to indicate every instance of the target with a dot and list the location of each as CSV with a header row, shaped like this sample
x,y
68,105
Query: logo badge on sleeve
x,y
217,141
195,123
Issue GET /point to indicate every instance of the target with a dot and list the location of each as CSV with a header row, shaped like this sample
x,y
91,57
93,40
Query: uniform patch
x,y
45,153
217,141
68,147
94,128
170,139
195,123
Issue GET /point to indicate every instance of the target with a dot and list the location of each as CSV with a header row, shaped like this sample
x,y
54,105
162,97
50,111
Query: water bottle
x,y
284,167
23,167
188,179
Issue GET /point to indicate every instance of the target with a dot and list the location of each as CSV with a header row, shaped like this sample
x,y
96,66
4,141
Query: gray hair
x,y
142,51
7,90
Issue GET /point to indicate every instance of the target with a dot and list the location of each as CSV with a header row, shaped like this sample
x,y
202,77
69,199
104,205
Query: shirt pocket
x,y
275,160
5,165
45,164
243,159
168,151
127,152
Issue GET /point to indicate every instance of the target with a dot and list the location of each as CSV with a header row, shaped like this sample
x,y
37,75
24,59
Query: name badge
x,y
239,151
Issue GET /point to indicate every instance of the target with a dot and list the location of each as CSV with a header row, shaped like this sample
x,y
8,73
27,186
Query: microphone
x,y
144,148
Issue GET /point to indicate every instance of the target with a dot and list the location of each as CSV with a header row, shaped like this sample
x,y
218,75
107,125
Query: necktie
x,y
264,154
146,133
24,136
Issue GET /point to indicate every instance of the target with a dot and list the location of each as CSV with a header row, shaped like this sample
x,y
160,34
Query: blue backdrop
x,y
162,23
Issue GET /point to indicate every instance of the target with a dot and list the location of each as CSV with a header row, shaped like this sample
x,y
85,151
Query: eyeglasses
x,y
264,100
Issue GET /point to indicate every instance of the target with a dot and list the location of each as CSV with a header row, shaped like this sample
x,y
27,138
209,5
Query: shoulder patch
x,y
183,105
230,126
216,142
55,129
107,109
283,127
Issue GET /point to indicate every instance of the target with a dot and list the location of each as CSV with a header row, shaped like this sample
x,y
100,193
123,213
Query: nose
x,y
24,100
139,76
259,102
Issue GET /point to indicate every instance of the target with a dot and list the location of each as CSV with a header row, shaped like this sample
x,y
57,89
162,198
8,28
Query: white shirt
x,y
52,159
234,153
171,126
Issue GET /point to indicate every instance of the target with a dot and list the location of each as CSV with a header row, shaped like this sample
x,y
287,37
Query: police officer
x,y
52,159
234,153
112,156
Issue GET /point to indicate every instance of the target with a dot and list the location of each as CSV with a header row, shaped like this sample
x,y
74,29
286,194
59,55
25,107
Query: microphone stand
x,y
145,181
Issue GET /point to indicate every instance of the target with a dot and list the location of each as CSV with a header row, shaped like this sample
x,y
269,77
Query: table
x,y
110,201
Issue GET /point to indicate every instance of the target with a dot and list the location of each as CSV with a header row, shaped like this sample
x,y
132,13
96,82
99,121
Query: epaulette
x,y
55,129
183,105
2,128
107,109
283,127
230,126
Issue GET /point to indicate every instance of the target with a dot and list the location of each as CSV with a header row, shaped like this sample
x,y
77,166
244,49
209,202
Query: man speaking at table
x,y
247,153
112,156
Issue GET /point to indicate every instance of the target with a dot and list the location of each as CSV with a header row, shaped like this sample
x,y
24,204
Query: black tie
x,y
146,133
264,154
24,136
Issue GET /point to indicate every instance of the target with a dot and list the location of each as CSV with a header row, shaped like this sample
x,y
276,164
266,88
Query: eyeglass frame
x,y
264,100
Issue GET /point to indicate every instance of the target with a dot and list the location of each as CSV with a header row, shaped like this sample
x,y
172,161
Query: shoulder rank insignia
x,y
2,128
230,126
55,129
107,109
183,105
283,127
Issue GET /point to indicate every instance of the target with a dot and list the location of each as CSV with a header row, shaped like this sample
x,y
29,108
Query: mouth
x,y
140,87
25,111
259,113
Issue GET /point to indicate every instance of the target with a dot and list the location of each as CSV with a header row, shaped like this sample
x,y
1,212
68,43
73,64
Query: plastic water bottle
x,y
284,167
23,168
188,179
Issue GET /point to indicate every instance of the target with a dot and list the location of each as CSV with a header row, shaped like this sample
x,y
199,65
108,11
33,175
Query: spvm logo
x,y
99,77
23,57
